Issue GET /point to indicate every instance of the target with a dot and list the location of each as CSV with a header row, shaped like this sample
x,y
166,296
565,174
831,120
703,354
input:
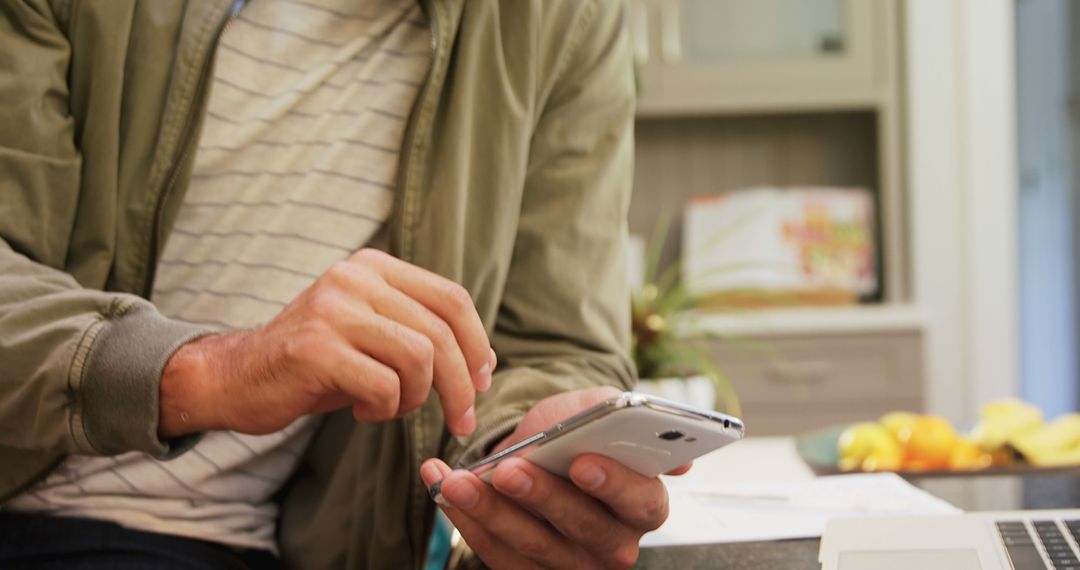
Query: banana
x,y
1055,444
1003,421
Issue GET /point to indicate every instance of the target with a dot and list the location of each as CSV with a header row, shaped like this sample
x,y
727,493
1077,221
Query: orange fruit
x,y
968,456
930,443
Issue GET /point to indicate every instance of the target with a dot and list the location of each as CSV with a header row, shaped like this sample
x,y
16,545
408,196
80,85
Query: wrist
x,y
186,402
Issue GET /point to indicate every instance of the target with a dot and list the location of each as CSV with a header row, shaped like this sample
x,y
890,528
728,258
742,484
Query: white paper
x,y
742,511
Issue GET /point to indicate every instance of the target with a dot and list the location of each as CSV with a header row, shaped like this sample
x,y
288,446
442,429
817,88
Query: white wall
x,y
962,179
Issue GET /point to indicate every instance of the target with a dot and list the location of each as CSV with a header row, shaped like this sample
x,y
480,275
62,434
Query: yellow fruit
x,y
968,456
885,459
931,443
861,441
1004,420
1055,444
899,425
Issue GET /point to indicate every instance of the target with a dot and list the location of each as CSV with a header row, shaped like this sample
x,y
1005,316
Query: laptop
x,y
1018,540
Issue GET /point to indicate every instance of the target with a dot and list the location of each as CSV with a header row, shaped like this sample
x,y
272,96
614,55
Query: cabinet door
x,y
753,55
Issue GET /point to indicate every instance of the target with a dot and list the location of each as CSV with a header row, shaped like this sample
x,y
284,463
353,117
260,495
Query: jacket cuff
x,y
488,434
117,403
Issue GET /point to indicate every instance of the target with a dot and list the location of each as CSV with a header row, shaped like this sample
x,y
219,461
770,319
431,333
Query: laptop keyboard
x,y
1025,550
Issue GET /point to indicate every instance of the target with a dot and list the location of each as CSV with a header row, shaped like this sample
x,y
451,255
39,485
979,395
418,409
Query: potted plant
x,y
670,349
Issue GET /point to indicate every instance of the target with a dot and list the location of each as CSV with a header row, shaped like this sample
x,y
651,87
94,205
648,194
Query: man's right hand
x,y
373,332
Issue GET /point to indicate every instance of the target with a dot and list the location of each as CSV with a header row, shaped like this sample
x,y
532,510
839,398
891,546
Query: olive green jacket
x,y
514,181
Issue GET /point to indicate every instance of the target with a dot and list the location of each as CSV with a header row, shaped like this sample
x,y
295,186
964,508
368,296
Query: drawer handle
x,y
807,372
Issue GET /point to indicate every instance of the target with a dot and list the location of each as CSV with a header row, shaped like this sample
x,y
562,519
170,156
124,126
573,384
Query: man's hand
x,y
533,519
372,332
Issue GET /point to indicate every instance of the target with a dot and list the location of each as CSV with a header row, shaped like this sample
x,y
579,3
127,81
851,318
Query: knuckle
x,y
456,297
413,399
421,349
322,302
347,275
442,335
338,273
623,556
368,255
534,547
654,512
581,527
385,392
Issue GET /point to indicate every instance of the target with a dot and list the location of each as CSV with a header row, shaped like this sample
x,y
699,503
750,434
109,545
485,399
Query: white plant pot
x,y
694,390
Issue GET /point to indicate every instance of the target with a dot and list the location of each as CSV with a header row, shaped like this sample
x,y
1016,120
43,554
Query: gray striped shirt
x,y
295,170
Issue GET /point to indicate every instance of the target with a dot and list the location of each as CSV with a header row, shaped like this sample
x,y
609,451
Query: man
x,y
194,200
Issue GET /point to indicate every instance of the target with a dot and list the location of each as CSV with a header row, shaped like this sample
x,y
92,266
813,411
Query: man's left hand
x,y
529,518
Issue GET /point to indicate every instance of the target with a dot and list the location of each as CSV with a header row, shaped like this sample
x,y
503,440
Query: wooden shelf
x,y
732,103
861,319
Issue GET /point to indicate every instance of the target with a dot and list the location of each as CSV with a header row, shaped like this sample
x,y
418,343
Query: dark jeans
x,y
51,543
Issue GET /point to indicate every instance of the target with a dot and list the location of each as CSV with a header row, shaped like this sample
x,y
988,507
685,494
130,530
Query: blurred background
x,y
847,207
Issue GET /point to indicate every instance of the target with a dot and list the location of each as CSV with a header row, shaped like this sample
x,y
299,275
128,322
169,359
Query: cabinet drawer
x,y
825,369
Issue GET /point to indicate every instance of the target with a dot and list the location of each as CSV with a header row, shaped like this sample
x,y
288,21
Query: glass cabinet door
x,y
724,30
702,54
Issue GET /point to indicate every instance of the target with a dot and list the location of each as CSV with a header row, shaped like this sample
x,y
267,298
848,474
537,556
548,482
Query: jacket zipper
x,y
414,422
407,159
189,126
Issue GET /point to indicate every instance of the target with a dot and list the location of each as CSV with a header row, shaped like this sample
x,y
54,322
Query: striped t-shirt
x,y
296,169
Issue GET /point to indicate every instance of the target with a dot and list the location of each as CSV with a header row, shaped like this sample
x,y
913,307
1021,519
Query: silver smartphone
x,y
647,434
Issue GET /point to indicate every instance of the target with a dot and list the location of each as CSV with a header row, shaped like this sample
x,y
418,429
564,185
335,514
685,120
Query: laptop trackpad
x,y
958,559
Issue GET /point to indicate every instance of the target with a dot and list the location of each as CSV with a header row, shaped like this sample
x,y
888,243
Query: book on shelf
x,y
780,246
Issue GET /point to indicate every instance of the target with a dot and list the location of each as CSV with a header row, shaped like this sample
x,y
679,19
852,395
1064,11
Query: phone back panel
x,y
646,440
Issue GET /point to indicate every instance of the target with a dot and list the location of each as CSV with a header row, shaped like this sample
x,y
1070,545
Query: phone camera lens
x,y
670,435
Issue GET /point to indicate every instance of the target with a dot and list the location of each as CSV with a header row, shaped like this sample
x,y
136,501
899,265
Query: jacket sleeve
x,y
564,320
79,367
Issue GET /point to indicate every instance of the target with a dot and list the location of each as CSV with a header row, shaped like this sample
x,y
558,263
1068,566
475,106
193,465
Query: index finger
x,y
447,299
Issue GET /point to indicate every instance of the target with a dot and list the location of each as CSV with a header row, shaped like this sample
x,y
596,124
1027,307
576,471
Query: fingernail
x,y
467,423
590,476
493,359
443,468
483,378
517,483
429,472
461,494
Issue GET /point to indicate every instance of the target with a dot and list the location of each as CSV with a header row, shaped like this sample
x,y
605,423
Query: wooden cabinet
x,y
804,382
743,93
